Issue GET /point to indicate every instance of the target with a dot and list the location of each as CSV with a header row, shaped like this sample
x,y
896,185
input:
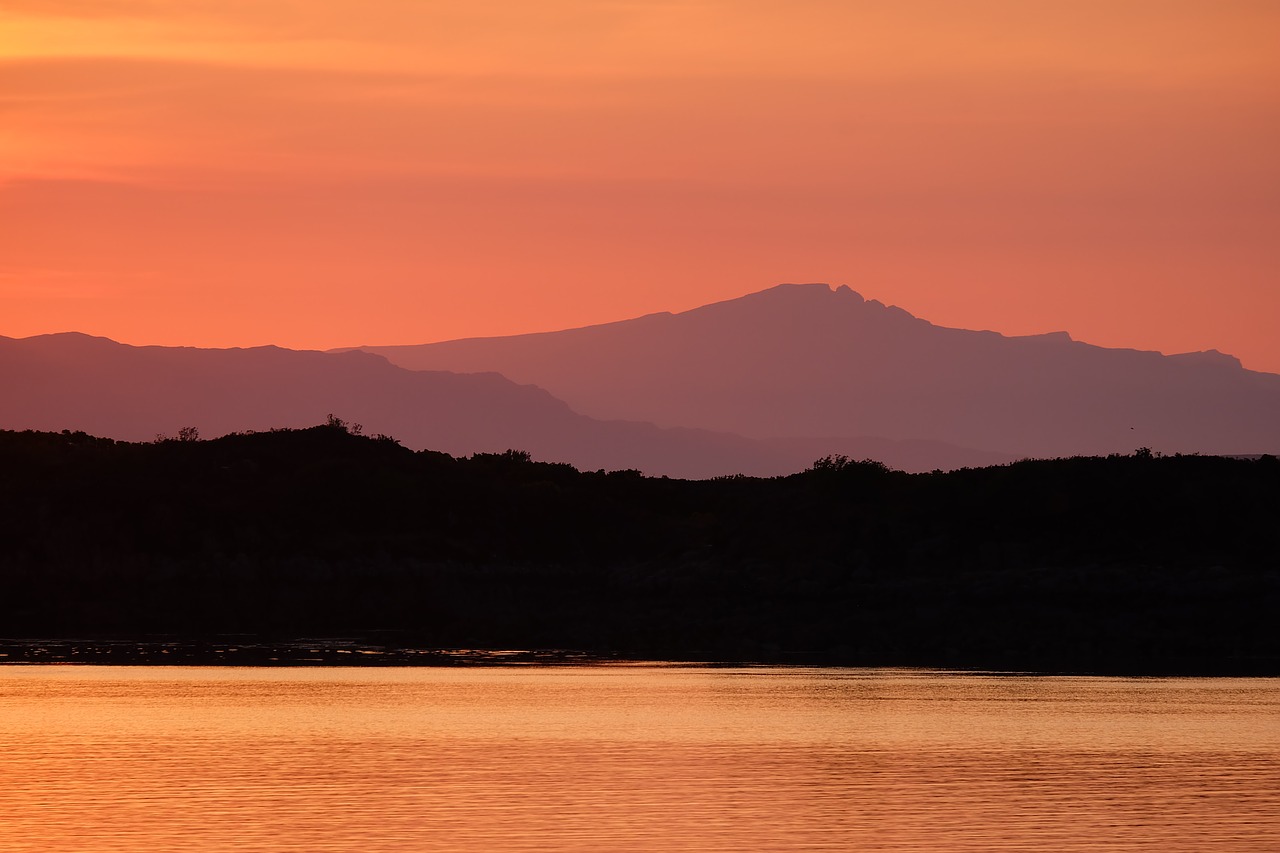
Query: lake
x,y
631,757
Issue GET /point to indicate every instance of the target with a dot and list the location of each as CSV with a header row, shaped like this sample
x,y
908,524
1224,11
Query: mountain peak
x,y
1209,357
810,291
812,297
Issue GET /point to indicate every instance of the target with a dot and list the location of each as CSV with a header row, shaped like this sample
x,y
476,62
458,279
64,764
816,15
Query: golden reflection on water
x,y
621,758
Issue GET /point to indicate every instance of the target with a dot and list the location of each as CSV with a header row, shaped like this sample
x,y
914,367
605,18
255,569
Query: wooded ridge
x,y
1134,564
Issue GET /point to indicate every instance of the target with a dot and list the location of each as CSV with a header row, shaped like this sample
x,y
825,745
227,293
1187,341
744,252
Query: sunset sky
x,y
319,173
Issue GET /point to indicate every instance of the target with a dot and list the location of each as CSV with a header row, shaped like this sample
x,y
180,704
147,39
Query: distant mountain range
x,y
761,385
77,382
808,360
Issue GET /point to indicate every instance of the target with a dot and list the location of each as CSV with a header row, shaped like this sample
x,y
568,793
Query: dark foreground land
x,y
228,551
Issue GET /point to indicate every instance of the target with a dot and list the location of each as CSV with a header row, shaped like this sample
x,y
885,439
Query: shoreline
x,y
239,651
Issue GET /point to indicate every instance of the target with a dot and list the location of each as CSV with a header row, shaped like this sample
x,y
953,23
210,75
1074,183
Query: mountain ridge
x,y
810,360
82,382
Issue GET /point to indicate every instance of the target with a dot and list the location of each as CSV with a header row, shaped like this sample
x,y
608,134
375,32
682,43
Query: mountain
x,y
77,382
802,360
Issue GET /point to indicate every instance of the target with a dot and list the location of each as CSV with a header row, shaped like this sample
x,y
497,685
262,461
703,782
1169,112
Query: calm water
x,y
624,758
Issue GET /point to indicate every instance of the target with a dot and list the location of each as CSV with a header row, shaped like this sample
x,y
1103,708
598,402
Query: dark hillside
x,y
1127,564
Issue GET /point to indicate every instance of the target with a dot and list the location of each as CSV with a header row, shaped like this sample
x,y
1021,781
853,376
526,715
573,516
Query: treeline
x,y
1133,563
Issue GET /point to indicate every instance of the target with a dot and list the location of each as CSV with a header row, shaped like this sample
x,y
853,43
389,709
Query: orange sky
x,y
319,173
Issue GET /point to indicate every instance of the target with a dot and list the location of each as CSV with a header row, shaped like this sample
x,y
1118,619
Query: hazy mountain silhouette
x,y
806,360
78,382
